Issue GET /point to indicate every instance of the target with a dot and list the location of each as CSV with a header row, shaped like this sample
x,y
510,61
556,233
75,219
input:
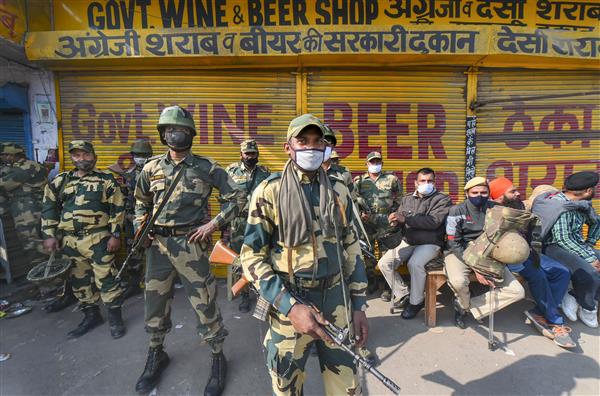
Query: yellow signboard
x,y
13,23
293,41
581,15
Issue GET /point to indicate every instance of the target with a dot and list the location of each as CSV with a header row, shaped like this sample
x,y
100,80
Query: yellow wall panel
x,y
538,127
414,117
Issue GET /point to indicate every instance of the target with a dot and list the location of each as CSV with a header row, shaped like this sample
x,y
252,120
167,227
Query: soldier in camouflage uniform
x,y
298,239
331,161
247,174
180,242
378,195
22,183
141,150
83,213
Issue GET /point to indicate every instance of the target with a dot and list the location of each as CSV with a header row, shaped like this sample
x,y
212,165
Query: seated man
x,y
548,279
422,216
464,224
563,215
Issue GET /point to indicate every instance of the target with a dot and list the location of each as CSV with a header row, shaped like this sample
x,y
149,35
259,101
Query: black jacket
x,y
425,218
464,224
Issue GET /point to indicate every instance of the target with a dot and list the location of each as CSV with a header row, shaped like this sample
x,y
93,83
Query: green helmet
x,y
329,135
175,115
11,148
141,146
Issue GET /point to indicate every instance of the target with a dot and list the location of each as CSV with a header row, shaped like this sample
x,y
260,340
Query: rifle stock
x,y
222,254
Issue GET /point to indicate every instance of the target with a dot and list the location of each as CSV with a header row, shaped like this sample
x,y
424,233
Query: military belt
x,y
317,284
174,230
82,233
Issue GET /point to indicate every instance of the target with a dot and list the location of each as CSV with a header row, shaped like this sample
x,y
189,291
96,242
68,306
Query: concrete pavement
x,y
442,360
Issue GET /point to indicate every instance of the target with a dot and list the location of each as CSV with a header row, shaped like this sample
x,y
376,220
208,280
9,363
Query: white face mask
x,y
328,150
426,189
310,159
375,168
139,161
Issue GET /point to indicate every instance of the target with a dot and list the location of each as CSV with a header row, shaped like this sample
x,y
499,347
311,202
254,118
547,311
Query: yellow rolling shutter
x,y
113,109
415,117
537,127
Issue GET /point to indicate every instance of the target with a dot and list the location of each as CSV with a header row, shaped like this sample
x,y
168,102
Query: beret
x,y
581,180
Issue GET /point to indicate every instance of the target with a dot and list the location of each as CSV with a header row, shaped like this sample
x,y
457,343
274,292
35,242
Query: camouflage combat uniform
x,y
170,252
23,184
86,211
343,174
127,180
266,263
378,198
247,181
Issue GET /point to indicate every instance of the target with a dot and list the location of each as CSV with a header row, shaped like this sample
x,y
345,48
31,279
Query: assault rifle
x,y
148,222
221,254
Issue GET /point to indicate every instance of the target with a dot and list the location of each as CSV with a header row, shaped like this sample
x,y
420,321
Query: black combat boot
x,y
216,382
156,363
62,302
244,306
460,316
115,321
91,319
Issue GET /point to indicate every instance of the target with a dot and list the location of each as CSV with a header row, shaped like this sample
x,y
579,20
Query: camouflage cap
x,y
334,155
329,135
82,145
11,148
374,154
301,122
249,146
141,146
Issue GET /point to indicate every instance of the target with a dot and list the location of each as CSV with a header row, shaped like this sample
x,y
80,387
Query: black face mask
x,y
513,203
478,201
250,162
178,140
85,165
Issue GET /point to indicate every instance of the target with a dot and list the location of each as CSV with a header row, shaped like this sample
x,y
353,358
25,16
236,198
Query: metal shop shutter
x,y
112,109
537,126
414,117
12,127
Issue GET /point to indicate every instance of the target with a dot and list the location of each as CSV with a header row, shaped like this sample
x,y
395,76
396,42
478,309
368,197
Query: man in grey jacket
x,y
422,216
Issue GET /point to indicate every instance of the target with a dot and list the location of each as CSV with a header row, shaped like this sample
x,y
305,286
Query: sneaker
x,y
569,307
540,323
589,318
562,337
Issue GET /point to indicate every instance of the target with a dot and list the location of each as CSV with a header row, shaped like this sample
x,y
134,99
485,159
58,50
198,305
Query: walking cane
x,y
491,340
392,310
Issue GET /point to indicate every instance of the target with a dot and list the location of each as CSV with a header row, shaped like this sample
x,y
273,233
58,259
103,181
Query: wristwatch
x,y
116,235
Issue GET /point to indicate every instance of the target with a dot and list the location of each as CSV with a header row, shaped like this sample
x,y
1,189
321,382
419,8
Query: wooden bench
x,y
435,280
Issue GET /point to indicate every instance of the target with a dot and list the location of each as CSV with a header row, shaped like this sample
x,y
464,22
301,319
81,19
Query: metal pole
x,y
491,340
